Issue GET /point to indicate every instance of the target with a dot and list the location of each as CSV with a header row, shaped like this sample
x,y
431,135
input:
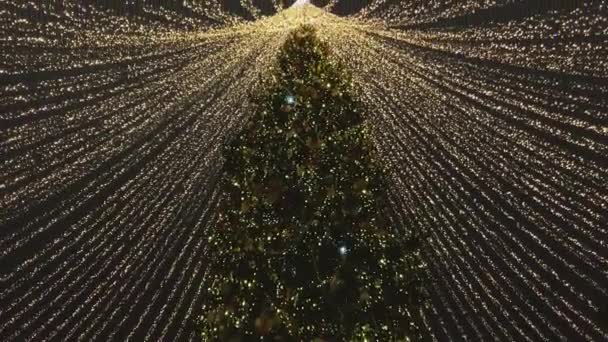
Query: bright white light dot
x,y
290,99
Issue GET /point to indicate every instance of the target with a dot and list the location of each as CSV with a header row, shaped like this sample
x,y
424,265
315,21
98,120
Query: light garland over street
x,y
491,117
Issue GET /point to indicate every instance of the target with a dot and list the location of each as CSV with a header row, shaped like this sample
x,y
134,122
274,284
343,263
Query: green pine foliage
x,y
303,249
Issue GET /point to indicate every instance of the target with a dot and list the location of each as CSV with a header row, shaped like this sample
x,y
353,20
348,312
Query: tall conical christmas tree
x,y
303,250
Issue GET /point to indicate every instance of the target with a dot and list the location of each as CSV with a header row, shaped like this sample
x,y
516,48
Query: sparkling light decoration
x,y
492,116
301,182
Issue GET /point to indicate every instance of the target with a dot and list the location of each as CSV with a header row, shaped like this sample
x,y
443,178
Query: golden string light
x,y
112,123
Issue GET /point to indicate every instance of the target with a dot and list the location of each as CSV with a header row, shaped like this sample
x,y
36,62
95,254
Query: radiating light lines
x,y
493,122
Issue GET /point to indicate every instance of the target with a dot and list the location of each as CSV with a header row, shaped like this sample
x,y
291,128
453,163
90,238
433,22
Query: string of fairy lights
x,y
112,123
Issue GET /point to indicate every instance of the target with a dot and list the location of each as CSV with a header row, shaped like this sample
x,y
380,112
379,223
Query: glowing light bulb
x,y
290,100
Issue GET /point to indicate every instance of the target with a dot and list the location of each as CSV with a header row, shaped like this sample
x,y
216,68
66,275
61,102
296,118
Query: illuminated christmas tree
x,y
304,250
